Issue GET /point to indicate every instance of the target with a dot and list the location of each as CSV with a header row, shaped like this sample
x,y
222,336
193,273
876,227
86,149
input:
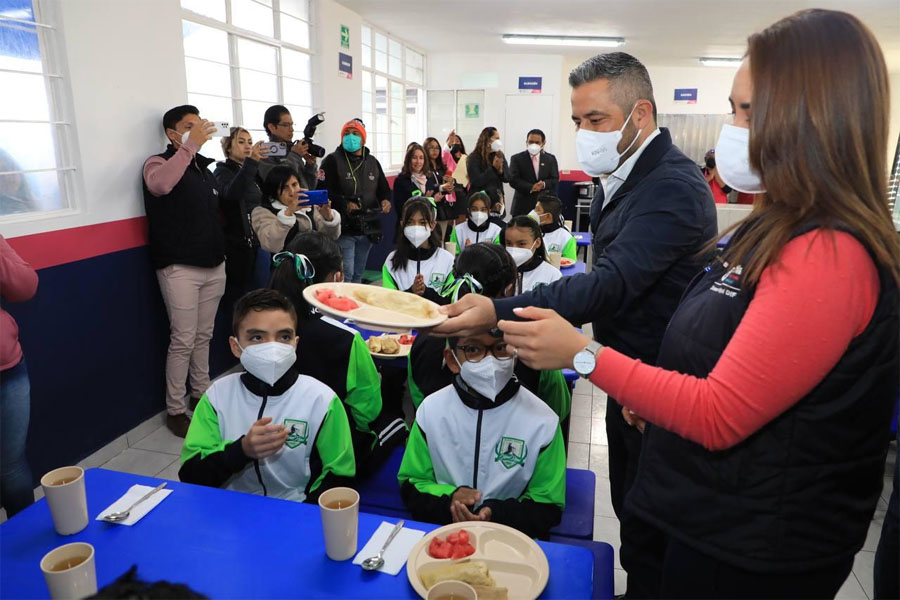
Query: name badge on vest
x,y
729,284
371,176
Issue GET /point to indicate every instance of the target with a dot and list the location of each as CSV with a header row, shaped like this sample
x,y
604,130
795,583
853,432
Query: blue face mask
x,y
351,142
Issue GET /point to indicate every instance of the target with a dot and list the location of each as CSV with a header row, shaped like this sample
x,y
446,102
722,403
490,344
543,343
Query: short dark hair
x,y
526,222
173,115
273,116
276,179
490,264
628,78
479,195
130,586
551,204
537,132
417,205
258,301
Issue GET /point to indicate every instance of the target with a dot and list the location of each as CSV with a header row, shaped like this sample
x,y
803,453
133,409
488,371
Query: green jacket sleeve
x,y
387,279
425,498
554,391
415,394
540,507
207,459
571,249
333,453
363,386
455,240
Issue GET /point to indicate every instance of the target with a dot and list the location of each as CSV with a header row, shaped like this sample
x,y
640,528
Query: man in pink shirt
x,y
187,248
18,282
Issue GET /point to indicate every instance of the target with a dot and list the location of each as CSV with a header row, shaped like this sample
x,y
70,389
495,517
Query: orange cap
x,y
356,125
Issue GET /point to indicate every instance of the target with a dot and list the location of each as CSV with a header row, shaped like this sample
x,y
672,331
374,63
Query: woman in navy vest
x,y
768,415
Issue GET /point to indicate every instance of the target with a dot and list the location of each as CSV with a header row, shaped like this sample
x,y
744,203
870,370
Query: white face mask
x,y
268,361
479,218
488,376
598,150
521,255
535,216
534,149
733,160
416,234
496,146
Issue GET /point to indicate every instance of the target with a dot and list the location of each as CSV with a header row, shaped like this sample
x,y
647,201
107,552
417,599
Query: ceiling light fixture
x,y
563,40
719,61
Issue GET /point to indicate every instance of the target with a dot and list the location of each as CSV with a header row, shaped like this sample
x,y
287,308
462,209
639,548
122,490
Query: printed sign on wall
x,y
345,37
345,65
686,95
472,111
530,85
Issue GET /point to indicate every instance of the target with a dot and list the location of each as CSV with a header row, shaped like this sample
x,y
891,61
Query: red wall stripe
x,y
53,248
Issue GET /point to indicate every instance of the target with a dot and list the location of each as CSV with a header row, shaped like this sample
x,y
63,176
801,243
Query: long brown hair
x,y
483,145
407,161
434,165
818,138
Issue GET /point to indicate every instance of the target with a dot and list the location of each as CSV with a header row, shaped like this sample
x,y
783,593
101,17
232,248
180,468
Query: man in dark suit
x,y
532,172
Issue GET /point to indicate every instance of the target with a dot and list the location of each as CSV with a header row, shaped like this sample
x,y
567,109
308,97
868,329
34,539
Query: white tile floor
x,y
150,449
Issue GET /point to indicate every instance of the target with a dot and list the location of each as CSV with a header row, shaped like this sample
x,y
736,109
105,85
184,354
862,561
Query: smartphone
x,y
275,148
223,129
314,198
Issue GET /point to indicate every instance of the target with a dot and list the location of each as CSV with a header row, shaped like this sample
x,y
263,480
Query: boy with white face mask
x,y
269,430
485,448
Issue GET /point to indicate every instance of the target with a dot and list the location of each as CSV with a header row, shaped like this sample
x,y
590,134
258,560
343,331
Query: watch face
x,y
584,362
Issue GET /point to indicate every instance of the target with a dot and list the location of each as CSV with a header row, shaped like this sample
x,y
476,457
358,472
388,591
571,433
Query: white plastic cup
x,y
340,525
554,258
568,224
458,590
64,491
70,571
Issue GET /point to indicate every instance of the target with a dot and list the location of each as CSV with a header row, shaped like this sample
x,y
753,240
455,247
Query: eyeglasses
x,y
474,353
285,125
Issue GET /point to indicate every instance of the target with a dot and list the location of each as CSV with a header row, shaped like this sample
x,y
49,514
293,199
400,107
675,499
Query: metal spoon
x,y
373,563
121,516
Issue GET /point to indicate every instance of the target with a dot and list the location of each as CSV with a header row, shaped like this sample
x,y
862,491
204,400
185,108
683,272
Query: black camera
x,y
310,131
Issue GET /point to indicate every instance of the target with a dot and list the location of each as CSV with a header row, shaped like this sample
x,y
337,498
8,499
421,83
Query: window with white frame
x,y
393,98
37,167
242,56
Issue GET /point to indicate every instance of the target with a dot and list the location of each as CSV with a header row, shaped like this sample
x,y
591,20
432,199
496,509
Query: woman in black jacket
x,y
239,194
487,169
413,176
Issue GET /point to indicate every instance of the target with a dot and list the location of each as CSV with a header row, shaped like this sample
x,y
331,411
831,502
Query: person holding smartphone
x,y
279,126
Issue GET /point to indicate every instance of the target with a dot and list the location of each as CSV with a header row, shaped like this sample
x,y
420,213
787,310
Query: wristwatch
x,y
586,360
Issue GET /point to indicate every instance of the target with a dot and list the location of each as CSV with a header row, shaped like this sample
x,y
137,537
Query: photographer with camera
x,y
359,191
300,155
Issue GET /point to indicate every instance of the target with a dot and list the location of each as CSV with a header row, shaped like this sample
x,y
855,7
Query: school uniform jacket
x,y
468,232
435,265
510,449
317,455
536,273
276,229
558,239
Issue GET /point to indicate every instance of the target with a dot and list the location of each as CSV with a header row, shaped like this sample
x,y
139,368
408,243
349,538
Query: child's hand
x,y
461,513
418,286
263,440
468,243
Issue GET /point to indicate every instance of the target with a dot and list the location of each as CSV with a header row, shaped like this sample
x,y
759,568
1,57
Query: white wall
x,y
340,97
498,75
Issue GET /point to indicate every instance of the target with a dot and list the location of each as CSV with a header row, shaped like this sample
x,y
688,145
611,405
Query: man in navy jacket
x,y
651,221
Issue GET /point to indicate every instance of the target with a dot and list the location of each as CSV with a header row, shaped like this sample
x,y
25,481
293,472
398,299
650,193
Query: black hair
x,y
173,115
628,78
480,195
273,116
526,222
552,205
128,586
490,264
435,165
710,159
258,301
325,256
275,181
537,132
414,205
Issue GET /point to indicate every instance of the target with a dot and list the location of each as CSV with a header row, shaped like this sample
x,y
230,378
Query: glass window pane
x,y
380,61
296,8
252,55
259,86
366,36
296,64
413,114
367,82
300,115
381,98
29,102
381,42
17,9
214,9
254,111
28,192
205,42
251,15
396,49
414,59
396,58
213,107
294,31
415,75
396,67
30,143
207,77
367,57
19,48
297,92
367,101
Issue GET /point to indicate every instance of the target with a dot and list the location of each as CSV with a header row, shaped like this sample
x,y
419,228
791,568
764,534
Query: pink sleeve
x,y
18,279
804,314
162,175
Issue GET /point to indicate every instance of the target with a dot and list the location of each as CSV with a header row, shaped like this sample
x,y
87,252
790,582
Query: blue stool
x,y
604,561
578,517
